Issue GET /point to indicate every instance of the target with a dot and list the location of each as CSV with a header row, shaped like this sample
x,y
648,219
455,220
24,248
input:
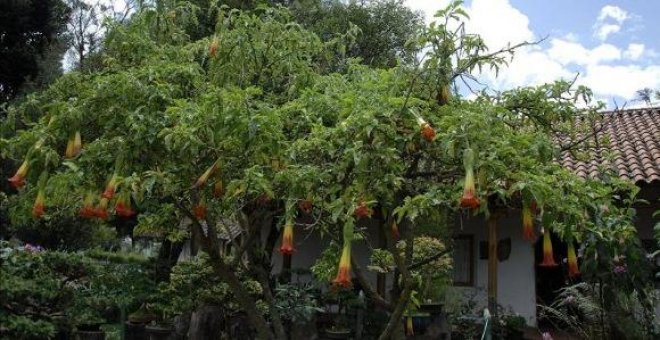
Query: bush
x,y
194,284
37,289
44,292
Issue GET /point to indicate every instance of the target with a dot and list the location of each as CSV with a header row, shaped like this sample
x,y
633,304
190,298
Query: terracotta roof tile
x,y
634,137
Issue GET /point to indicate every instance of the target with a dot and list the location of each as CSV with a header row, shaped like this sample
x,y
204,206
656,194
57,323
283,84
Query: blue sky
x,y
614,45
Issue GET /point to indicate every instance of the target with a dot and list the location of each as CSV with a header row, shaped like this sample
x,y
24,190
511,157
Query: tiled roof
x,y
634,137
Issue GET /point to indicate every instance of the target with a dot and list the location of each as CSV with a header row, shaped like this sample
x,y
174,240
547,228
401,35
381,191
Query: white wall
x,y
516,287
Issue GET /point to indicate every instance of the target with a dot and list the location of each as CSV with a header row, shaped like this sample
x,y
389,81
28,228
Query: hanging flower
x,y
428,133
213,47
573,269
548,259
101,211
218,189
200,209
18,180
68,153
110,188
287,240
87,209
363,210
205,176
469,199
528,222
409,326
123,205
38,207
77,144
343,278
306,206
395,231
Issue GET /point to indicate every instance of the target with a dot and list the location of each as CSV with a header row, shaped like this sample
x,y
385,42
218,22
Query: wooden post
x,y
492,265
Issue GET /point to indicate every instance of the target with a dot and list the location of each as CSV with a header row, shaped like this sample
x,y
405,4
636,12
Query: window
x,y
464,260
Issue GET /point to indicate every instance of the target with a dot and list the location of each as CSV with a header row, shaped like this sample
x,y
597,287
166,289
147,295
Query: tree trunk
x,y
248,304
167,257
207,322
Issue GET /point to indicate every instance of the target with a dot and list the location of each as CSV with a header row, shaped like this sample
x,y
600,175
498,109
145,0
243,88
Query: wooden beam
x,y
492,264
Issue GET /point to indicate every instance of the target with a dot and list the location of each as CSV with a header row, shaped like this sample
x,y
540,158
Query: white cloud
x,y
498,23
429,8
619,15
621,80
486,19
608,69
602,31
609,21
634,51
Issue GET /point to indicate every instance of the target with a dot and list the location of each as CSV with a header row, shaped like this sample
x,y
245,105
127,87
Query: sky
x,y
614,46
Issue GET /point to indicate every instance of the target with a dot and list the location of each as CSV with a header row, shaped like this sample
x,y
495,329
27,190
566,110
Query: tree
x,y
244,125
31,36
86,28
647,95
384,27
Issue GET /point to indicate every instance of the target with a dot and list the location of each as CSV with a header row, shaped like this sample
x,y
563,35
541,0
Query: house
x,y
634,136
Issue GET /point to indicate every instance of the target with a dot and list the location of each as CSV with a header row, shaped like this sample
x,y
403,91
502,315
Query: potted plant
x,y
137,321
163,327
88,325
298,306
160,330
340,328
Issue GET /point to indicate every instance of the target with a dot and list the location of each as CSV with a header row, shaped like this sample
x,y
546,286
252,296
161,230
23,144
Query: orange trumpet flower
x,y
343,278
573,269
548,258
200,209
205,176
395,231
87,209
287,240
101,211
218,189
528,222
68,153
363,210
38,207
123,206
110,188
428,133
469,199
18,180
409,326
213,47
77,144
306,206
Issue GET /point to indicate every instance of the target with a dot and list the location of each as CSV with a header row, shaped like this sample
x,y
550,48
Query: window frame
x,y
470,239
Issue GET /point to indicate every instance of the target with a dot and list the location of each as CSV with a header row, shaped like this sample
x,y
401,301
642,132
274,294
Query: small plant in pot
x,y
88,324
163,327
298,306
137,321
164,307
341,327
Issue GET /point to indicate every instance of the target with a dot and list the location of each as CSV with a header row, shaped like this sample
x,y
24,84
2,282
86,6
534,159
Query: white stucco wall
x,y
516,287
